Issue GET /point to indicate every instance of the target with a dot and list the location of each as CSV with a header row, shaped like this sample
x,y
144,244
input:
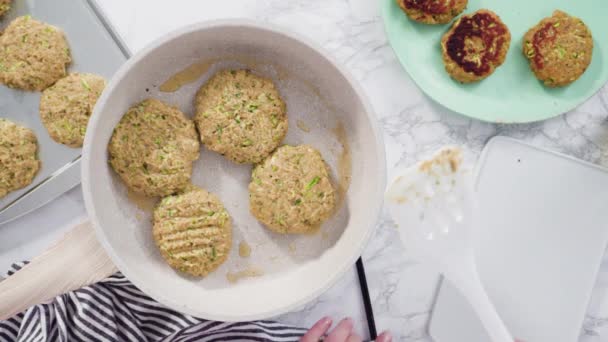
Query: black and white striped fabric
x,y
115,310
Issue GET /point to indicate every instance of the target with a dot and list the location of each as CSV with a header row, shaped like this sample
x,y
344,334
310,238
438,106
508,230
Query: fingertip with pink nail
x,y
348,321
325,321
385,337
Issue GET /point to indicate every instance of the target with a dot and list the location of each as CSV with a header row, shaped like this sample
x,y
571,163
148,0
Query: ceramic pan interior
x,y
326,109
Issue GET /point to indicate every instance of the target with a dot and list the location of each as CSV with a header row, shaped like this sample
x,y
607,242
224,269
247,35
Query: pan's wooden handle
x,y
74,261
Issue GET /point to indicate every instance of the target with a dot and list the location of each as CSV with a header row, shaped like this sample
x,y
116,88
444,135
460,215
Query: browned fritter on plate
x,y
559,49
475,46
432,11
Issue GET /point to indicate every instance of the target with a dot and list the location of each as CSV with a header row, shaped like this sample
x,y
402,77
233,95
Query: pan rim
x,y
376,200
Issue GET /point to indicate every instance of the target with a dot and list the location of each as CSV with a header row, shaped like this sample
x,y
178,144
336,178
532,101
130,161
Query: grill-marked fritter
x,y
193,231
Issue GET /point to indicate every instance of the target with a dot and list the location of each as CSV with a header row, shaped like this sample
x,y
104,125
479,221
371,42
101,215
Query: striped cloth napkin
x,y
115,310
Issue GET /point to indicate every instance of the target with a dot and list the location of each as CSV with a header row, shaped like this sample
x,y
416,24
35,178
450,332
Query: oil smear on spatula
x,y
432,196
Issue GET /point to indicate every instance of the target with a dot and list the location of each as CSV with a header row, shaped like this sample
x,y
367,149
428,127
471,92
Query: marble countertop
x,y
402,291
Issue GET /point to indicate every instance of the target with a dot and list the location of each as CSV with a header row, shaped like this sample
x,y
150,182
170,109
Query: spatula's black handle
x,y
367,303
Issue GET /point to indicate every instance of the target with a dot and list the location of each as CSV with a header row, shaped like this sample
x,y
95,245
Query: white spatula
x,y
433,204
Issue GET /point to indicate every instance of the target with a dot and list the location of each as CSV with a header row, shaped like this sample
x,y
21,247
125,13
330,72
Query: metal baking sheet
x,y
95,49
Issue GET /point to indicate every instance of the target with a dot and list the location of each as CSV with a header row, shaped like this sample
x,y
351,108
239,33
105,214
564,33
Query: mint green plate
x,y
512,94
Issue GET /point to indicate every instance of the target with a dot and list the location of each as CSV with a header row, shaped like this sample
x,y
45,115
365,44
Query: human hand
x,y
343,332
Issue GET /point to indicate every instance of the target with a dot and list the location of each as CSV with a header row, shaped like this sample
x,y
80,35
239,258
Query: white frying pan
x,y
326,109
